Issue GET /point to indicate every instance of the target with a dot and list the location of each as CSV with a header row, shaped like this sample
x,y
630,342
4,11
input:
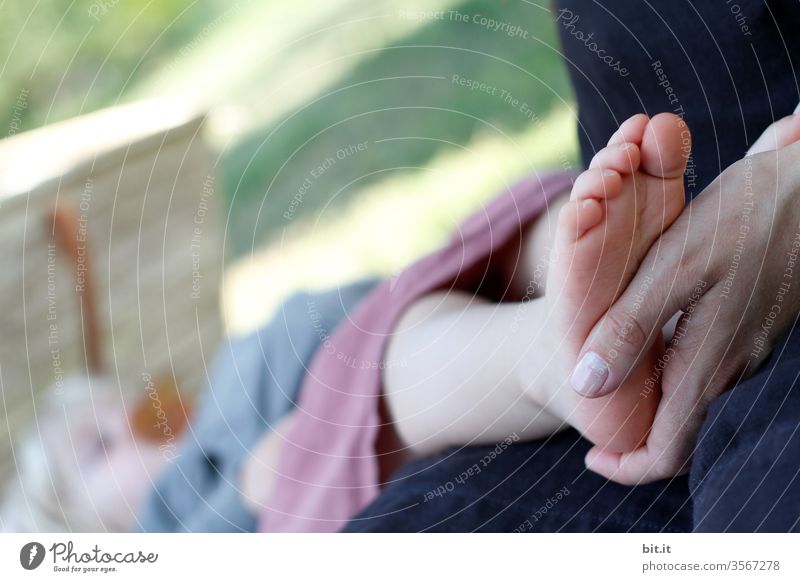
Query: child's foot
x,y
618,208
632,192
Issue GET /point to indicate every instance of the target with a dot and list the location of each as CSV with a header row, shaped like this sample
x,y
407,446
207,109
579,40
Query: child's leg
x,y
530,275
469,361
459,383
471,366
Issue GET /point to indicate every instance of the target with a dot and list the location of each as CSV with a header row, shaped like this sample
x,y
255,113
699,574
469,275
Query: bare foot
x,y
632,191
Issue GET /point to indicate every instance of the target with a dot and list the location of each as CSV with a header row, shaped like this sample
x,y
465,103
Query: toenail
x,y
590,374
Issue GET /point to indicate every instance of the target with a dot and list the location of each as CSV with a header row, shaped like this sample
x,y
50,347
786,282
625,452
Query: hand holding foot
x,y
632,191
690,265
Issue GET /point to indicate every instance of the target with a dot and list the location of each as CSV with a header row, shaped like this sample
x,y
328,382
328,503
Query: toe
x,y
666,146
622,157
577,217
597,183
631,130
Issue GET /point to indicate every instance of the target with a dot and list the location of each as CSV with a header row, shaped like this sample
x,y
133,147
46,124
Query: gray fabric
x,y
254,382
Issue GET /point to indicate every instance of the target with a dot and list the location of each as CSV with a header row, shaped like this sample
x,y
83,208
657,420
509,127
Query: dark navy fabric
x,y
729,69
534,487
746,471
745,476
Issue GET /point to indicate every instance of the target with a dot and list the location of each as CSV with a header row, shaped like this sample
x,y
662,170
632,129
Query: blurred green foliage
x,y
404,90
67,58
398,96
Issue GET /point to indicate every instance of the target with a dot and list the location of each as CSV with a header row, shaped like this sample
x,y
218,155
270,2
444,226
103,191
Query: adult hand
x,y
730,265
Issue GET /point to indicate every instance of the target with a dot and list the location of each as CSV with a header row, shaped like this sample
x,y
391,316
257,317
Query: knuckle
x,y
634,479
695,264
665,468
681,260
627,480
625,332
721,381
677,458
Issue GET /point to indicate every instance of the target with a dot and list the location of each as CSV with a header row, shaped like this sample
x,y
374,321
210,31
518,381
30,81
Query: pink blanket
x,y
328,470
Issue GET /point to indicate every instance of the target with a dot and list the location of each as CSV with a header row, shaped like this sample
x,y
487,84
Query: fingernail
x,y
590,374
797,109
627,146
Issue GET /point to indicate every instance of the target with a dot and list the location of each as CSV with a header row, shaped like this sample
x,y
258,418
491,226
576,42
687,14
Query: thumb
x,y
627,331
643,465
613,350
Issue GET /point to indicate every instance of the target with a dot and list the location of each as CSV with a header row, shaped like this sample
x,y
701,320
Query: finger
x,y
633,468
667,280
703,359
783,132
665,454
696,368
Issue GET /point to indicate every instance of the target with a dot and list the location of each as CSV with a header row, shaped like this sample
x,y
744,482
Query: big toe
x,y
666,146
